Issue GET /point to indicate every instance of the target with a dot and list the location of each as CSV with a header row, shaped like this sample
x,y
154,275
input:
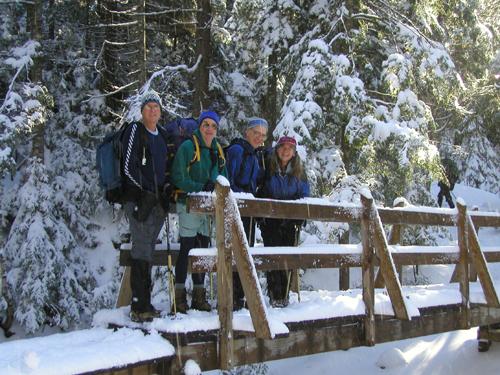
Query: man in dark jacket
x,y
244,174
446,185
147,194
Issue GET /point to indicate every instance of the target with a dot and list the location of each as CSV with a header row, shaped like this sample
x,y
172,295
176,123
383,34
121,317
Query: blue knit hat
x,y
150,96
208,114
257,121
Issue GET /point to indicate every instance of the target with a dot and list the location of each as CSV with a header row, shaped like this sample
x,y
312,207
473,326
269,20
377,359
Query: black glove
x,y
144,205
209,186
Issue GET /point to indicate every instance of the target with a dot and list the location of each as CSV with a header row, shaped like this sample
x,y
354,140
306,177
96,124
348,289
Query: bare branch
x,y
110,93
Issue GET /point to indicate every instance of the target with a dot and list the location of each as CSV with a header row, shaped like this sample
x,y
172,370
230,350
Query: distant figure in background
x,y
244,172
450,174
285,179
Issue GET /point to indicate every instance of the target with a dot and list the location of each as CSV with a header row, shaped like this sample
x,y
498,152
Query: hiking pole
x,y
171,285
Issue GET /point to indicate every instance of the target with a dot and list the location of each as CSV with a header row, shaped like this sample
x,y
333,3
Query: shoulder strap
x,y
197,153
222,159
196,144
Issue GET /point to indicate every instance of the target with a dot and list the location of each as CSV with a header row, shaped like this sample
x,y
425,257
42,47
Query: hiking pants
x,y
144,234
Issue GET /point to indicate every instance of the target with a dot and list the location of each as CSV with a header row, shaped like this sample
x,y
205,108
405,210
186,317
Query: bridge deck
x,y
322,321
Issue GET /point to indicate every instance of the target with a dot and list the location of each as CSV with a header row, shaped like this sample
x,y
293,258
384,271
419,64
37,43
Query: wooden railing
x,y
376,251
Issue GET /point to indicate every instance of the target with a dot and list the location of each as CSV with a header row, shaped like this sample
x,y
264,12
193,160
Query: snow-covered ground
x,y
80,351
453,352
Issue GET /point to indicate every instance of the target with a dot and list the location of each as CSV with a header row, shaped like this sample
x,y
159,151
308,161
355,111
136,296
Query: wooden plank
x,y
387,268
367,271
249,279
125,293
256,207
306,338
159,257
463,263
344,273
306,261
294,284
224,279
159,365
343,278
480,265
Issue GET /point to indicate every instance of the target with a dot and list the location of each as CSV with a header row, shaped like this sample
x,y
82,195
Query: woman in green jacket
x,y
198,163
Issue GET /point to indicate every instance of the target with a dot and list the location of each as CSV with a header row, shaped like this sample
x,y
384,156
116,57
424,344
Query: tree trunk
x,y
270,99
123,56
34,27
201,98
141,35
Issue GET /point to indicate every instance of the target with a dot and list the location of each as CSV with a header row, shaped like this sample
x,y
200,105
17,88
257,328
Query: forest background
x,y
377,93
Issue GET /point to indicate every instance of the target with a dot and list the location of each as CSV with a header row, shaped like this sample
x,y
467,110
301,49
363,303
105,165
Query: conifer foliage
x,y
377,92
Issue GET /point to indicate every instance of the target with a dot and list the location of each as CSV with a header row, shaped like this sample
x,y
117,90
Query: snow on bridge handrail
x,y
323,210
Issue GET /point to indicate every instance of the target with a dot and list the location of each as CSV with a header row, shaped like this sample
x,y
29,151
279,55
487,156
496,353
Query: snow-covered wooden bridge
x,y
380,310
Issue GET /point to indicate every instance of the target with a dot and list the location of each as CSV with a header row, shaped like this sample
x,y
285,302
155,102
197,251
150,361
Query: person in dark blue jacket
x,y
285,179
245,174
147,191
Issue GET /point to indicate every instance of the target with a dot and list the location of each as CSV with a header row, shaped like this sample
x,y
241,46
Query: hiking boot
x,y
199,301
154,312
238,303
141,317
483,345
279,302
181,305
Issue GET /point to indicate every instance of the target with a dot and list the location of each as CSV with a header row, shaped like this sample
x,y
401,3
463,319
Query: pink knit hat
x,y
285,139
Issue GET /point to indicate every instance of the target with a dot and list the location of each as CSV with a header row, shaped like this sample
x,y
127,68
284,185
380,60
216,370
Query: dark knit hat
x,y
150,96
208,114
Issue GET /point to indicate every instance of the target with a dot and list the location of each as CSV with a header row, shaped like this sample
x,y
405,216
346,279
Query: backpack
x,y
246,154
178,131
262,154
109,162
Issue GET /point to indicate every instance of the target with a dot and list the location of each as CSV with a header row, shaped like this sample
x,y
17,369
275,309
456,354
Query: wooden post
x,y
394,239
481,266
125,293
343,270
463,263
224,279
249,279
367,269
387,268
472,268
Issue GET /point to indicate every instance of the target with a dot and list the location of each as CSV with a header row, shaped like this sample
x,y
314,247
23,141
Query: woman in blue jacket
x,y
245,174
285,180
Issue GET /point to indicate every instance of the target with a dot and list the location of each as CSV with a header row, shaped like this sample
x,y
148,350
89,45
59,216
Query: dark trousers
x,y
188,243
445,191
279,232
249,226
141,285
143,235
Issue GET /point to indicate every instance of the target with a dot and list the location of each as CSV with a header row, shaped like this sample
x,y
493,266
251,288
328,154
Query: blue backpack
x,y
109,164
179,130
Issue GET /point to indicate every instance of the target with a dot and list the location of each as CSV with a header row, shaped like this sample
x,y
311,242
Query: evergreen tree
x,y
39,252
